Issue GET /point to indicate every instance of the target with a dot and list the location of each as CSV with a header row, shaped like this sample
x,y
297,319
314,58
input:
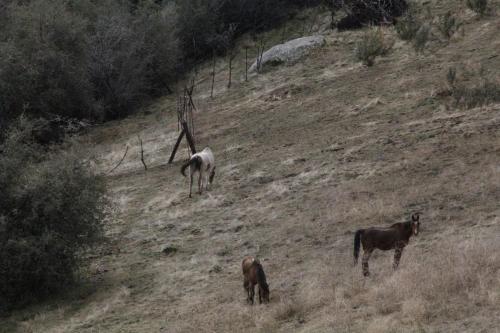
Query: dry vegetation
x,y
306,154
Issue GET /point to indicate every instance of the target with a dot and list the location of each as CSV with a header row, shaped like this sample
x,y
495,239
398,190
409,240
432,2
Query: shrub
x,y
408,25
448,25
87,60
51,208
479,6
202,22
42,61
361,12
462,272
422,37
480,89
372,45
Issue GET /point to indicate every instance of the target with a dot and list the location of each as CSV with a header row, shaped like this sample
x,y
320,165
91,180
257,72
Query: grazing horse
x,y
253,274
203,163
394,237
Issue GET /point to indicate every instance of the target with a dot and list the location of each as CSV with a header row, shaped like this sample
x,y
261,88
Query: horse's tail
x,y
357,243
196,160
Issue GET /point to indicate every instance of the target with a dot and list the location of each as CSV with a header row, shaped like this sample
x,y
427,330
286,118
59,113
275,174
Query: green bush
x,y
448,24
362,12
372,45
408,25
51,208
472,88
422,38
86,59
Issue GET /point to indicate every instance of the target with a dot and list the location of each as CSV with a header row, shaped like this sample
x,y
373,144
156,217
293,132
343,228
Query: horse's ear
x,y
415,217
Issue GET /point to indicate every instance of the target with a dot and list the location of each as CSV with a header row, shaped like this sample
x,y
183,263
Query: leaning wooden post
x,y
179,139
189,138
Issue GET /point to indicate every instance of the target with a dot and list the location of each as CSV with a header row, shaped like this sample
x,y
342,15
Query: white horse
x,y
203,163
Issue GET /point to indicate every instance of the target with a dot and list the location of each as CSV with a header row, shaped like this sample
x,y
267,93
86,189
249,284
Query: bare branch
x,y
126,150
142,154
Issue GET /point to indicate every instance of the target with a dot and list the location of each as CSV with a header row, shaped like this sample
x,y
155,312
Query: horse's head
x,y
415,223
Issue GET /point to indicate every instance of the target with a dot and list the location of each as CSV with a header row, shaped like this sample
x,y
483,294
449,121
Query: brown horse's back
x,y
385,238
247,263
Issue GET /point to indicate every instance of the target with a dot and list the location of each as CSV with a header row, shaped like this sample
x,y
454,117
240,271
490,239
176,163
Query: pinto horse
x,y
394,237
203,163
253,274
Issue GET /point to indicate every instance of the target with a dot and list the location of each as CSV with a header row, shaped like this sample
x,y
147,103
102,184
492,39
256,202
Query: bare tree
x,y
228,43
142,154
260,53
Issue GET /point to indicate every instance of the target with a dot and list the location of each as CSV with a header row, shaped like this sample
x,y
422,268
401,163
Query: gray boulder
x,y
288,52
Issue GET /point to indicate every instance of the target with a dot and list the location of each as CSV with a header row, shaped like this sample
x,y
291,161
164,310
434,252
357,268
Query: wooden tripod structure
x,y
185,121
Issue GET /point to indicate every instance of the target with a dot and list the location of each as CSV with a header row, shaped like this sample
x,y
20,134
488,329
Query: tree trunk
x,y
246,64
213,77
230,70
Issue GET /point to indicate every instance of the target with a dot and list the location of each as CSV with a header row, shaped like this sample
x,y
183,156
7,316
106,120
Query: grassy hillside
x,y
306,154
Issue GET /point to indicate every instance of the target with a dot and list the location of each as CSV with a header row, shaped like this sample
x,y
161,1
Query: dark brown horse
x,y
394,237
253,274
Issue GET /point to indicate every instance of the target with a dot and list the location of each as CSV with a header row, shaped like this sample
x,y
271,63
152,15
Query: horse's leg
x,y
252,293
366,256
260,295
247,288
397,256
190,183
200,178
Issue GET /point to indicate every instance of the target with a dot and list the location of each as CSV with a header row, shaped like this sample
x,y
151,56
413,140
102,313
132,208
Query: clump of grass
x,y
448,24
480,89
412,29
478,6
288,310
408,25
465,271
451,76
372,45
422,38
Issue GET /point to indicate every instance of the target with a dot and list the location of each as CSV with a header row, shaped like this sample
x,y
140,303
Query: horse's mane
x,y
405,225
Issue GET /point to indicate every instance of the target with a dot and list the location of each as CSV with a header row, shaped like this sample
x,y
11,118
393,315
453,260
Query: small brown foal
x,y
253,274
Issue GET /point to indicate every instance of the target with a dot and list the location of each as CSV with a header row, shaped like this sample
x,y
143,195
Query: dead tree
x,y
228,43
231,57
142,154
185,120
246,63
260,53
213,75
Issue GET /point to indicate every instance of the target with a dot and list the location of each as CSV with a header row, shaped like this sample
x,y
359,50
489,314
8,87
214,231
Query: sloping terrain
x,y
306,154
